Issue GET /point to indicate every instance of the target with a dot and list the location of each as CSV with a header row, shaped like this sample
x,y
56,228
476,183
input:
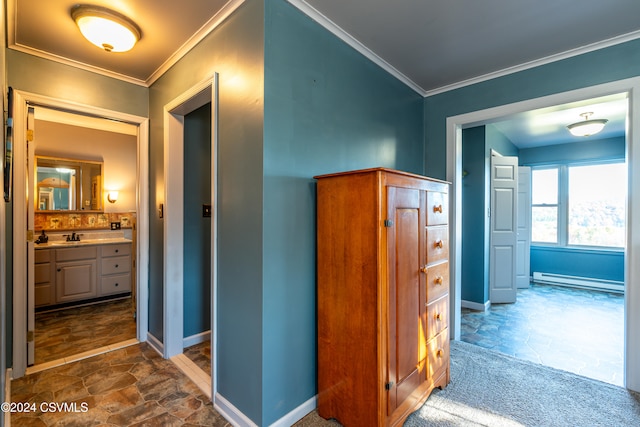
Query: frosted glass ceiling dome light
x,y
587,127
105,28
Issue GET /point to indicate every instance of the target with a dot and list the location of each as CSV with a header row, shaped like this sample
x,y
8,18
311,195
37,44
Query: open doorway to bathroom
x,y
85,279
84,298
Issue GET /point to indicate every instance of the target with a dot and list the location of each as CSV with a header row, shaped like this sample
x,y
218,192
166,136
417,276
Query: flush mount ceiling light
x,y
587,127
105,28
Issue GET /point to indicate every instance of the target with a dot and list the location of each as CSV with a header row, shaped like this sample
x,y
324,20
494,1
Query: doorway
x,y
202,98
454,173
22,233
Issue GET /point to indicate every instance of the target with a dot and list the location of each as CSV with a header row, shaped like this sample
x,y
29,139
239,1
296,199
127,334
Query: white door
x,y
503,231
31,176
523,252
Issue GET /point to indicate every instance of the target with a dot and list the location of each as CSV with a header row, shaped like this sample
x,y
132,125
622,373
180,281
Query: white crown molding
x,y
329,25
538,62
199,35
333,28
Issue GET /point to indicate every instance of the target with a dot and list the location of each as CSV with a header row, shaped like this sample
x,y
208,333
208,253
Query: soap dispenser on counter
x,y
42,238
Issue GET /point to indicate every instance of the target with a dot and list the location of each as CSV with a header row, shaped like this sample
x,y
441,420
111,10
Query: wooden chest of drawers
x,y
383,294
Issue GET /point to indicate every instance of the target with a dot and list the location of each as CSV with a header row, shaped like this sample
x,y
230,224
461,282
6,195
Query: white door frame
x,y
21,99
455,124
174,112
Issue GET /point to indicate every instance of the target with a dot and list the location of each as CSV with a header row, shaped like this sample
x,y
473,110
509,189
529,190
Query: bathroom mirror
x,y
68,184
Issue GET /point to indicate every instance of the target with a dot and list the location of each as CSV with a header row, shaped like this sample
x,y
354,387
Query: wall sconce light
x,y
112,196
105,28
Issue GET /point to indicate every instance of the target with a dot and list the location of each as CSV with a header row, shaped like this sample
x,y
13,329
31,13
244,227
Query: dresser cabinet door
x,y
407,312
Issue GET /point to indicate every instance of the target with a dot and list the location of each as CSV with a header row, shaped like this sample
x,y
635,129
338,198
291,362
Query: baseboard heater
x,y
578,282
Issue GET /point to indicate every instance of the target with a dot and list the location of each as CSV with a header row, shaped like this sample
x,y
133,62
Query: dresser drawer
x,y
437,208
115,284
116,250
437,316
116,265
437,281
437,243
438,351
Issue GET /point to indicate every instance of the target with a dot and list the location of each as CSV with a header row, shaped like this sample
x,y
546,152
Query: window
x,y
597,195
544,205
579,205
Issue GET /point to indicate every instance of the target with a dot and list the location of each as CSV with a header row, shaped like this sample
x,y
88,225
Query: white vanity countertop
x,y
59,240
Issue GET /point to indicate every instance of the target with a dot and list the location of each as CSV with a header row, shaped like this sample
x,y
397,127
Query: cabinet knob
x,y
437,208
117,250
423,269
59,269
439,244
116,265
438,316
439,352
439,280
117,284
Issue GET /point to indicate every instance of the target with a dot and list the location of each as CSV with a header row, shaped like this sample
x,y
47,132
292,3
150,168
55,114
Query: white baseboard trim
x,y
297,414
231,413
475,305
7,396
155,344
196,339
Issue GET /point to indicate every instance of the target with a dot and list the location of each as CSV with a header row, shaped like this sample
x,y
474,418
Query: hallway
x,y
576,330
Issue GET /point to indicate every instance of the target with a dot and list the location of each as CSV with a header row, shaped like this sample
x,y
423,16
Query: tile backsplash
x,y
82,220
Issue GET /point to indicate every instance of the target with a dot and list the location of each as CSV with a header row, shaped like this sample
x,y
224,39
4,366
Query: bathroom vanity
x,y
78,271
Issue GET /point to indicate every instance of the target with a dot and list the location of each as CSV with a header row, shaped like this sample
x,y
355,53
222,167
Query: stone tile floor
x,y
133,386
63,333
200,354
576,330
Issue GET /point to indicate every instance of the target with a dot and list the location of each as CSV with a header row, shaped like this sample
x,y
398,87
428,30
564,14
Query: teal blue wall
x,y
599,264
327,109
235,50
588,150
197,229
475,259
606,65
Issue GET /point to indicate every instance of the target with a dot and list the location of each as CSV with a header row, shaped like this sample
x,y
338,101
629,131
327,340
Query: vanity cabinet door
x,y
75,280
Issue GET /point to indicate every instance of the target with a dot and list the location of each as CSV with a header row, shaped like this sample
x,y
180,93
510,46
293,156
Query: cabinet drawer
x,y
43,295
72,254
437,208
42,255
42,273
437,316
437,281
437,243
116,265
116,250
438,351
115,284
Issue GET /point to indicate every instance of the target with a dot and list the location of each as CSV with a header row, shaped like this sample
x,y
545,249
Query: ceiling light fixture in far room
x,y
105,28
587,127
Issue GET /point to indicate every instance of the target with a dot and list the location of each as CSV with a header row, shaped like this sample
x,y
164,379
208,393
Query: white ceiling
x,y
432,45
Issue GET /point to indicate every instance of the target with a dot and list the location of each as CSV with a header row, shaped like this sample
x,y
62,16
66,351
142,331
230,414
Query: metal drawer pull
x,y
116,265
423,269
439,280
439,352
438,316
437,208
439,244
